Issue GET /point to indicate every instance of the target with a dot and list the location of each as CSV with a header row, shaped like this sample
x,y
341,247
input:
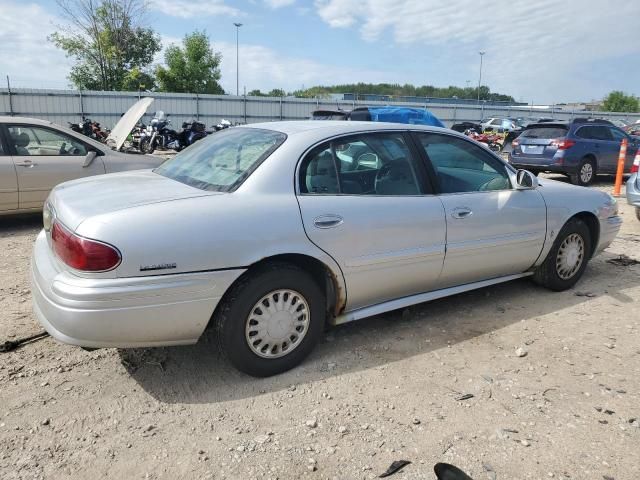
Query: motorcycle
x,y
158,134
89,129
492,140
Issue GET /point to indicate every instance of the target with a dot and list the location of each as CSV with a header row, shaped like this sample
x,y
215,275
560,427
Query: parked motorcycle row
x,y
159,135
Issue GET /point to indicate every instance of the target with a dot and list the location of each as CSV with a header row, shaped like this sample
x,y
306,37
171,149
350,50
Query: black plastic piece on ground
x,y
10,345
395,467
445,471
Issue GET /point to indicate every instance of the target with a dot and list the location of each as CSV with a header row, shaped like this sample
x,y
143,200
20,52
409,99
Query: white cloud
x,y
192,9
264,68
533,48
25,54
279,3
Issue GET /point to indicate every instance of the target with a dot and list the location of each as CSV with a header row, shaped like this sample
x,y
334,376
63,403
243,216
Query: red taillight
x,y
636,163
563,143
82,253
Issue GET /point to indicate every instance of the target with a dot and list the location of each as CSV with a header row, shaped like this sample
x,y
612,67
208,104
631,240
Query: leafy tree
x,y
255,93
110,45
192,68
406,90
276,92
618,101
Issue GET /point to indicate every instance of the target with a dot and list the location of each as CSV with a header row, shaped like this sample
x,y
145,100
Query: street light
x,y
238,25
480,77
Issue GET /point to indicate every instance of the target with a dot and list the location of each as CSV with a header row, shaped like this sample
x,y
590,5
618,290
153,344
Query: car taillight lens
x,y
636,163
82,253
563,143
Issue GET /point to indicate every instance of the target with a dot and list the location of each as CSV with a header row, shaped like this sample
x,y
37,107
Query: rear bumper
x,y
633,190
540,164
609,228
123,312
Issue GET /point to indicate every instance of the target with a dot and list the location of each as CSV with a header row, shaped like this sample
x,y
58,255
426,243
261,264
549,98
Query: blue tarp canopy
x,y
414,116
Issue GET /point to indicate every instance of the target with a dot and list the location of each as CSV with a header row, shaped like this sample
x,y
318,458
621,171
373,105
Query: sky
x,y
542,51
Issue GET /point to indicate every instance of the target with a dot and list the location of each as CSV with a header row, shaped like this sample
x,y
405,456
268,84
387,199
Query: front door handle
x,y
328,221
26,163
462,212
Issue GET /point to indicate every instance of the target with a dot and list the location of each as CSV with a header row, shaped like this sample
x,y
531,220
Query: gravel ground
x,y
567,405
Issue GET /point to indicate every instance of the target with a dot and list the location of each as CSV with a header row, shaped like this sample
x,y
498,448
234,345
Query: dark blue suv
x,y
580,148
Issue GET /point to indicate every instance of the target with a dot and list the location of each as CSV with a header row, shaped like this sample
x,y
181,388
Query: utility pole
x,y
481,53
238,25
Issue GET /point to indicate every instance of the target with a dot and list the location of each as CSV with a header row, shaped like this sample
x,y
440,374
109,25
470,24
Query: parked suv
x,y
580,149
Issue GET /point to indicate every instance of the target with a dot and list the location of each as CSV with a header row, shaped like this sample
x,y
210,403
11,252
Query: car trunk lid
x,y
540,140
78,200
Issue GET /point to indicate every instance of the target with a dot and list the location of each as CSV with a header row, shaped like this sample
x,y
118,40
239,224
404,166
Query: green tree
x,y
276,92
111,47
192,68
255,93
618,101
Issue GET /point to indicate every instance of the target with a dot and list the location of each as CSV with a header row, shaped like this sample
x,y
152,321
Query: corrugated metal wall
x,y
62,106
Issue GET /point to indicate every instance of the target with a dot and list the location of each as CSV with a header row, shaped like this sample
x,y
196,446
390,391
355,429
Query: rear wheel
x,y
586,172
270,320
567,259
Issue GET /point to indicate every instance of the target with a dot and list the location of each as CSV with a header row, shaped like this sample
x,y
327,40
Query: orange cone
x,y
621,159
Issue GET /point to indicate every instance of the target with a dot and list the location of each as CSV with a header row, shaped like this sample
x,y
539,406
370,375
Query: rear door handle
x,y
328,221
26,163
461,212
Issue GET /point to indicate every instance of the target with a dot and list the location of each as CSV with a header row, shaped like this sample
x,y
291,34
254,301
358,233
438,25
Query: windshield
x,y
552,131
224,160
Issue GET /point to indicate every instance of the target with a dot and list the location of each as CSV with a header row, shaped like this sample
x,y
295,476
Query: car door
x,y
597,140
43,158
632,147
492,229
364,200
8,178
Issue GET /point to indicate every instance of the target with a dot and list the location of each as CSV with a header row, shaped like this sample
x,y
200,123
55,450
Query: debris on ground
x,y
395,467
623,261
521,352
446,471
10,345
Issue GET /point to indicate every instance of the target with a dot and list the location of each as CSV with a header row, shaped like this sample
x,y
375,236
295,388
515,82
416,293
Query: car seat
x,y
21,140
396,178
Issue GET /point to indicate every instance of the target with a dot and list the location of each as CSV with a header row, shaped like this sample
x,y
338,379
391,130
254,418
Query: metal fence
x,y
61,106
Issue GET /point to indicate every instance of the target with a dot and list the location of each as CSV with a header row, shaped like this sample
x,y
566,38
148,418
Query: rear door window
x,y
594,132
551,131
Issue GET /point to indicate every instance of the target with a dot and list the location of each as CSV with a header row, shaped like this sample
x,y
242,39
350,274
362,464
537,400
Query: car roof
x,y
34,121
330,127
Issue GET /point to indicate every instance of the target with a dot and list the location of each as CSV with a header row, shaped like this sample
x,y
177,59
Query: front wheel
x,y
270,320
585,174
567,259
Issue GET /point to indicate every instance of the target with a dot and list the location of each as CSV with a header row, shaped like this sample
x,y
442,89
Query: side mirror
x,y
525,180
88,160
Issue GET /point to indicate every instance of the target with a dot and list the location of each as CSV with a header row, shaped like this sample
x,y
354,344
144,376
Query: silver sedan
x,y
36,155
266,232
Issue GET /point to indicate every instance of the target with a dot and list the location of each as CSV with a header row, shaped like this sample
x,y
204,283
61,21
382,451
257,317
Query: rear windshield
x,y
552,131
223,160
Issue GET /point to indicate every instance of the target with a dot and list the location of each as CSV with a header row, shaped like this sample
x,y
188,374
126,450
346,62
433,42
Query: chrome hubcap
x,y
586,172
570,256
277,323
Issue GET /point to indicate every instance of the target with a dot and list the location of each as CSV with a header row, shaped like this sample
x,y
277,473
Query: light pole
x,y
238,25
480,77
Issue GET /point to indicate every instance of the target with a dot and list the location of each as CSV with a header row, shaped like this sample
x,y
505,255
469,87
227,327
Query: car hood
x,y
78,200
123,128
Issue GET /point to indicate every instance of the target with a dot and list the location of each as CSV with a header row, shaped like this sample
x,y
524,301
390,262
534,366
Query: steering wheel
x,y
380,174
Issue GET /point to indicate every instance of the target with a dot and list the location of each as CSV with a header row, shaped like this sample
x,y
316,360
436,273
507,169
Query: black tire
x,y
581,176
638,213
146,146
547,274
232,316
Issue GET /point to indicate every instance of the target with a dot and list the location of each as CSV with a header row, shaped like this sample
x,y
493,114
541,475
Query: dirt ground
x,y
378,390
